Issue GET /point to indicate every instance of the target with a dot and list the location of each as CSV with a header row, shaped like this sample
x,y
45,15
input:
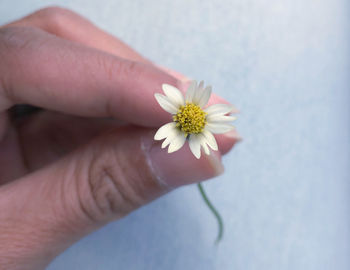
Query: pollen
x,y
190,118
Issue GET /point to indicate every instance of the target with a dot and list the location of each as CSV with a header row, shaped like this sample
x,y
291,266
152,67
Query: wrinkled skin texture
x,y
87,156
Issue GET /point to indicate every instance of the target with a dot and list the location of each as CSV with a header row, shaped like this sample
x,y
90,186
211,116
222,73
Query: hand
x,y
72,167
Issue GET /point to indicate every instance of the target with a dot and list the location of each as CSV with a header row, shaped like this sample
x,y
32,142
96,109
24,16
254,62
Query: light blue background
x,y
285,193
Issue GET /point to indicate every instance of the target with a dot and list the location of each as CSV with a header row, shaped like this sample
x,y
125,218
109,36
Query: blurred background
x,y
285,195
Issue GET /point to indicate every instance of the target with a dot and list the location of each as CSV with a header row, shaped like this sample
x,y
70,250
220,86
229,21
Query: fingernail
x,y
182,168
233,135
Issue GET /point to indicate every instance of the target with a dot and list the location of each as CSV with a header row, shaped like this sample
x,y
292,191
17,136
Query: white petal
x,y
173,133
210,139
205,96
220,118
166,142
219,109
190,91
174,94
201,84
166,104
195,146
197,93
164,131
177,142
218,127
206,148
203,143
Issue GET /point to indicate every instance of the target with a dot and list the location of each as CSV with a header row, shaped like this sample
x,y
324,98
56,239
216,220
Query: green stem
x,y
214,211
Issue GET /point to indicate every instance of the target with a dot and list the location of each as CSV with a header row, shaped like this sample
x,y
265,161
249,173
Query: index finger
x,y
43,70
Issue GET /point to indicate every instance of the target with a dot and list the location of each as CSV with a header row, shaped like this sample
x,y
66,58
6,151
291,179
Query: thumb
x,y
46,211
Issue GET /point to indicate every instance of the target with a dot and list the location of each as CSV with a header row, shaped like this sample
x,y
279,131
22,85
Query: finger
x,y
69,25
72,78
103,181
227,141
214,99
42,144
48,136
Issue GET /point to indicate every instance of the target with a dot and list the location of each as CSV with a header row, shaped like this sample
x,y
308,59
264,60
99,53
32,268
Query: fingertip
x,y
182,167
184,82
228,140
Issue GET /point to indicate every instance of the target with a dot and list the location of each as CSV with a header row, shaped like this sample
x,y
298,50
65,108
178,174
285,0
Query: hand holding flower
x,y
87,157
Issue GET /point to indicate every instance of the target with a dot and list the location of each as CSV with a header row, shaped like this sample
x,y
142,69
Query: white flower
x,y
190,120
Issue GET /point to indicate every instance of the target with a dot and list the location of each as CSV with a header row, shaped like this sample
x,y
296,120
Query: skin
x,y
88,157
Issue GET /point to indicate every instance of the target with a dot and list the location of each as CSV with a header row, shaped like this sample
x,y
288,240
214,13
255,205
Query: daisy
x,y
191,120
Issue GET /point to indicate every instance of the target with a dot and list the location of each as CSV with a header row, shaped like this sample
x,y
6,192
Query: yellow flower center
x,y
190,118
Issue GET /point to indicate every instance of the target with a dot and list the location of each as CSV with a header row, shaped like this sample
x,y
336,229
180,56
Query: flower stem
x,y
214,211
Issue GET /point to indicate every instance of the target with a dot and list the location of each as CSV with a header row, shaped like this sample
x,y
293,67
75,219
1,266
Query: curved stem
x,y
214,211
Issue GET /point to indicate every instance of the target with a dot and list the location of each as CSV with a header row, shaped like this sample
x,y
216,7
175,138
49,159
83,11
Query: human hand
x,y
72,167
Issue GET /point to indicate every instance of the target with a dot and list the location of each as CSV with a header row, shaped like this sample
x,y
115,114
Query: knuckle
x,y
54,17
130,69
51,13
116,184
50,10
110,190
115,66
